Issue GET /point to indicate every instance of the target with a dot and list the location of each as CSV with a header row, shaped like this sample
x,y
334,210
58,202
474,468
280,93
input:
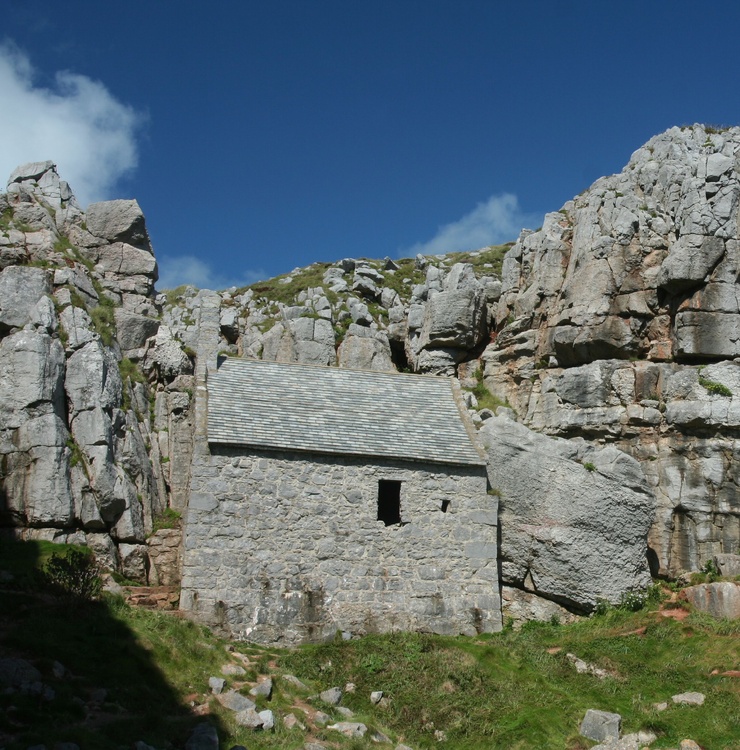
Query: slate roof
x,y
331,410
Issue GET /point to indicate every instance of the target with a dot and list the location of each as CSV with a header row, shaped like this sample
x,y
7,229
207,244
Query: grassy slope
x,y
502,691
507,691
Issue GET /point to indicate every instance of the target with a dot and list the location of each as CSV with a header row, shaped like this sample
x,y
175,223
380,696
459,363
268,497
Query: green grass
x,y
170,518
6,219
131,371
506,691
277,290
63,245
104,320
494,255
514,690
173,295
485,399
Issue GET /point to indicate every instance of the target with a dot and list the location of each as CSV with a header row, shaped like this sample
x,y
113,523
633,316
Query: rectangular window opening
x,y
389,501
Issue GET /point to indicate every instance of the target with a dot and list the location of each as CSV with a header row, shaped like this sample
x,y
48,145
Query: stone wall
x,y
285,548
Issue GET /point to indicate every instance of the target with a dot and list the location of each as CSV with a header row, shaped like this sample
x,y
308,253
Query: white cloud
x,y
187,269
497,220
78,124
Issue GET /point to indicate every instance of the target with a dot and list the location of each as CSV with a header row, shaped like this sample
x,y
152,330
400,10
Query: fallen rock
x,y
349,728
263,688
570,531
290,721
321,719
583,667
235,701
249,718
203,737
600,725
332,696
689,699
268,719
721,599
16,672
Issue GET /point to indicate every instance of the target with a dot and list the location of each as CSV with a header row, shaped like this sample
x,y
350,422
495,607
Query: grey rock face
x,y
640,268
728,565
600,725
306,340
568,533
21,288
452,320
365,349
35,482
75,456
118,221
133,330
718,599
520,607
166,357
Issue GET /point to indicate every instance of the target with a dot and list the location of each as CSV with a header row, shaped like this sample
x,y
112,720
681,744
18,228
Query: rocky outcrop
x,y
617,323
80,446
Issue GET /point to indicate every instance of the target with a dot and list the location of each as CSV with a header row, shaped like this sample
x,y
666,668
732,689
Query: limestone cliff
x,y
93,392
617,323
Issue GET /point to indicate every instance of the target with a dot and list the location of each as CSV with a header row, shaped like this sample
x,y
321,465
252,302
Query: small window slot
x,y
445,506
389,501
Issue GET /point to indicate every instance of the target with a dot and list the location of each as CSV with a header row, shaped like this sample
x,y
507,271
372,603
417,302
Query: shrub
x,y
718,389
73,576
588,466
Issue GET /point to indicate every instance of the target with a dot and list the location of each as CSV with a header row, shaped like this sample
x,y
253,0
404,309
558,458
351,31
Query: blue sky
x,y
260,136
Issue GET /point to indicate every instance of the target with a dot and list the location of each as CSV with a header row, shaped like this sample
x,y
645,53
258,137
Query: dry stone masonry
x,y
368,512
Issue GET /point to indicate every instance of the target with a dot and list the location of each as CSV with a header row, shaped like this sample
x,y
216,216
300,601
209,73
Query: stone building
x,y
325,499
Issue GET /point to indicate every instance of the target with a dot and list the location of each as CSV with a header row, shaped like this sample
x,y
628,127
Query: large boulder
x,y
365,349
118,221
307,340
720,599
133,329
574,520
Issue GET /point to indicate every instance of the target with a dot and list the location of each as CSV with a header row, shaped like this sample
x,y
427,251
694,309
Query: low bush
x,y
73,575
